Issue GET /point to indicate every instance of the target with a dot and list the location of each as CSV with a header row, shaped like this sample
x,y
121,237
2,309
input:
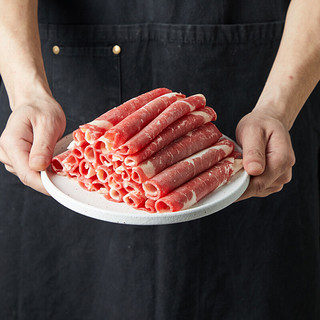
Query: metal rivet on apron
x,y
116,49
55,49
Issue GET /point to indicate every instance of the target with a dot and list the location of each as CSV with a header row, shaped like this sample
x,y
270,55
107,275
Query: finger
x,y
18,150
254,150
3,157
253,188
260,187
278,184
259,184
266,192
284,178
27,176
10,169
44,141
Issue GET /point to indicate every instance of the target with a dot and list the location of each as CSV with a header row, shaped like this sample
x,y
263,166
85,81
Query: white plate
x,y
94,205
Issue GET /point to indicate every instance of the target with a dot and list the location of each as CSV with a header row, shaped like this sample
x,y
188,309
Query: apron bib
x,y
257,259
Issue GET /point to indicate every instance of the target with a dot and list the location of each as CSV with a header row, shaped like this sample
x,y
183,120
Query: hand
x,y
28,141
268,156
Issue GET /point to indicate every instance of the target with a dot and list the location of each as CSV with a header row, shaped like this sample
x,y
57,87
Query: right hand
x,y
268,156
28,140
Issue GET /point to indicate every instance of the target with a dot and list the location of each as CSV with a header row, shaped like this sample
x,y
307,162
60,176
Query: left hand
x,y
268,156
29,138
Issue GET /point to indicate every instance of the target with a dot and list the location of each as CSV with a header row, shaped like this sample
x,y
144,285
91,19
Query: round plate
x,y
94,205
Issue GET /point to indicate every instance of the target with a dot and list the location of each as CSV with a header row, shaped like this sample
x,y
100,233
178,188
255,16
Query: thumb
x,y
254,151
44,141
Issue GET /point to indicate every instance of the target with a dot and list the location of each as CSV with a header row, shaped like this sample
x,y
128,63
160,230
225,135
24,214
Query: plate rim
x,y
140,217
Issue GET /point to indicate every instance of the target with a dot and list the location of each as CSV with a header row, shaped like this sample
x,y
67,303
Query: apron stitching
x,y
169,32
258,42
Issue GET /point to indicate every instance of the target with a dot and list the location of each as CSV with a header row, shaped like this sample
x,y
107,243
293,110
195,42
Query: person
x,y
256,259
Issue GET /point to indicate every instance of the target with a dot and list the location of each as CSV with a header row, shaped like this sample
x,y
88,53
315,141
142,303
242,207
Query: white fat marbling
x,y
191,202
101,124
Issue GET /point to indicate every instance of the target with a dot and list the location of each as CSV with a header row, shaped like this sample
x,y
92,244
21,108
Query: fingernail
x,y
38,161
254,168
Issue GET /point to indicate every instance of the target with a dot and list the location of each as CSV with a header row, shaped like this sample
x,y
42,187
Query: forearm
x,y
21,63
296,69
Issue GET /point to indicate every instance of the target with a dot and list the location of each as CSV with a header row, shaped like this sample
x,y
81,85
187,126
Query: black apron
x,y
257,259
